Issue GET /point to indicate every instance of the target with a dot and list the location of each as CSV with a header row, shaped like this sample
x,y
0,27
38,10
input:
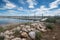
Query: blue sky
x,y
29,7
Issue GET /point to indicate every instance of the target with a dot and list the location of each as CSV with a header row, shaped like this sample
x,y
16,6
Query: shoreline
x,y
11,24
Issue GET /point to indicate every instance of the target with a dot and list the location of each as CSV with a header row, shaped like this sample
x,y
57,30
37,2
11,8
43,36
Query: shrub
x,y
49,26
2,37
1,29
38,36
28,23
51,20
16,33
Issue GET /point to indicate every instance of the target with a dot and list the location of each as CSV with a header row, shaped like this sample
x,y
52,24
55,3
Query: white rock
x,y
32,34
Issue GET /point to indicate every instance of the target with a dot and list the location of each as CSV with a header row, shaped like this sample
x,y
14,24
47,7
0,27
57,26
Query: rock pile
x,y
25,32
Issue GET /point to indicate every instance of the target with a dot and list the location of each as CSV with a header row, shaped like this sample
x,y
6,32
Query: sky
x,y
29,7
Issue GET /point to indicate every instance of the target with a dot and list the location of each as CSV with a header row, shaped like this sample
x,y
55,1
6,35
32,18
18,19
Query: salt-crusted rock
x,y
32,34
21,31
29,29
7,36
23,38
7,32
43,30
27,26
24,34
11,36
33,24
1,34
13,29
22,25
6,39
24,29
16,38
53,37
32,29
11,32
18,28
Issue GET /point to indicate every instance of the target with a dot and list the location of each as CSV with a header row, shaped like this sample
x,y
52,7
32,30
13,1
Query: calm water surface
x,y
9,20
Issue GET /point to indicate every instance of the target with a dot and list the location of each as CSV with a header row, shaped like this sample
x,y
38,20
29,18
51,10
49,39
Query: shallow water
x,y
9,20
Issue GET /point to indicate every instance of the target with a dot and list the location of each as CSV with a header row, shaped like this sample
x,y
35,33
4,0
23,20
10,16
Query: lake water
x,y
9,21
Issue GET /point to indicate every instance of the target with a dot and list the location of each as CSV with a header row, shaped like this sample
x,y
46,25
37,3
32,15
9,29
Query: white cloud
x,y
9,5
20,8
54,4
40,10
45,11
37,12
31,3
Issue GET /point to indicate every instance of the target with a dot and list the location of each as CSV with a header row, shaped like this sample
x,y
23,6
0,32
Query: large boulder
x,y
32,34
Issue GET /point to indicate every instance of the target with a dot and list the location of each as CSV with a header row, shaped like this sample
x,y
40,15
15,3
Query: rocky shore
x,y
26,31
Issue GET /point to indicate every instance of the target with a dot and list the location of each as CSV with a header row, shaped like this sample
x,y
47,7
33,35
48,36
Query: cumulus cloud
x,y
9,5
40,10
47,11
37,11
31,3
54,4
